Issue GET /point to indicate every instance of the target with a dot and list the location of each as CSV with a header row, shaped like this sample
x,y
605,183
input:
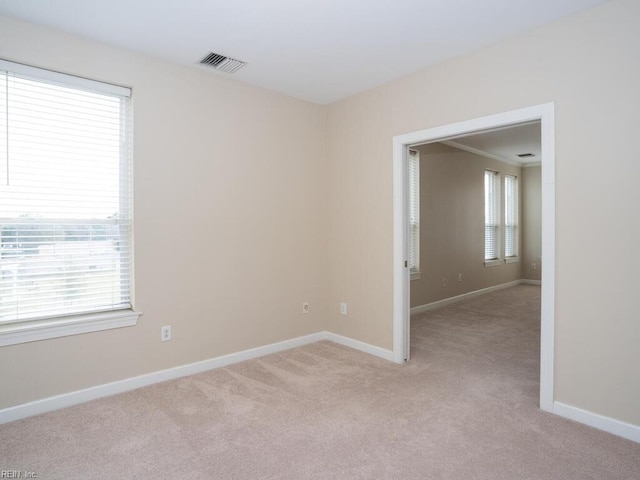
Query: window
x,y
491,215
414,213
510,216
65,205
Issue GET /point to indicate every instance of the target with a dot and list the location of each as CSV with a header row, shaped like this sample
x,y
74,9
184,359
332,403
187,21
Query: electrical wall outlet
x,y
305,307
444,282
534,266
165,333
343,308
459,277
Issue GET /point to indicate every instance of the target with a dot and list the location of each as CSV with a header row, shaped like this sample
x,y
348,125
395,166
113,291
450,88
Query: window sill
x,y
512,260
415,275
31,331
493,263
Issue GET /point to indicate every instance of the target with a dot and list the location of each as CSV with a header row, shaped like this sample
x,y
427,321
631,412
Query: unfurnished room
x,y
319,239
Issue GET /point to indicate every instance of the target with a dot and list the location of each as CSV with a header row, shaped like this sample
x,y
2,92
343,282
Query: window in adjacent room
x,y
65,205
414,213
491,216
510,216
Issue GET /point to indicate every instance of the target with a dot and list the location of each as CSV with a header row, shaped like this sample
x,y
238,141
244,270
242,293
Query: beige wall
x,y
230,220
452,225
589,66
282,201
531,195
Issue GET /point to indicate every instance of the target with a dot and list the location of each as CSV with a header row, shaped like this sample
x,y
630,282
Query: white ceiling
x,y
316,50
505,144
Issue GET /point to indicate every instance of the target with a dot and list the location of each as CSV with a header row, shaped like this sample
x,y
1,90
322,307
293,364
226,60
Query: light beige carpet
x,y
464,408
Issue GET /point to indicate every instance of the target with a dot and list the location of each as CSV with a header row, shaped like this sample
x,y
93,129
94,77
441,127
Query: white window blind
x,y
491,215
65,195
414,211
510,216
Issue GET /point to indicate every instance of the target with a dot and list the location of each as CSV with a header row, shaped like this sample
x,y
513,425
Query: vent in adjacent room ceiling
x,y
526,155
222,63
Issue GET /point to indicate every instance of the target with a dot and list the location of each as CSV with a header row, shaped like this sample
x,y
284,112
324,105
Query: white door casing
x,y
544,113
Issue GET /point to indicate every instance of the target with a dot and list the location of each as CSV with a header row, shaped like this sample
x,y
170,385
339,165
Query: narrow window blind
x,y
65,195
510,216
414,211
491,215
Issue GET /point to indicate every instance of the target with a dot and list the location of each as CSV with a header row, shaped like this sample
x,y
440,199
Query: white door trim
x,y
545,113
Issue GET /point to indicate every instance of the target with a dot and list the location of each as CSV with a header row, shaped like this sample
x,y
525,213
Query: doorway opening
x,y
542,114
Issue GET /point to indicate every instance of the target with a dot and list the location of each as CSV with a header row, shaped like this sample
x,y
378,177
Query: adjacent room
x,y
479,214
475,222
211,265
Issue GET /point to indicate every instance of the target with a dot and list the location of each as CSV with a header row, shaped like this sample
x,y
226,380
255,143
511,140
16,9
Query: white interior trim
x,y
65,79
616,427
32,330
606,424
80,396
358,345
482,153
465,296
494,263
544,113
400,251
547,326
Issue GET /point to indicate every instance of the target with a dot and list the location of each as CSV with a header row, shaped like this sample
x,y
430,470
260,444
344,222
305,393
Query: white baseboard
x,y
526,281
607,424
464,296
358,345
64,400
616,427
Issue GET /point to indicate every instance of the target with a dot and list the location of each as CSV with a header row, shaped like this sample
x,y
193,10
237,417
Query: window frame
x,y
511,217
494,211
413,172
46,327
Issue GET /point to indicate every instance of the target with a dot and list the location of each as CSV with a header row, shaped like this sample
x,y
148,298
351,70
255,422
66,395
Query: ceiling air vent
x,y
526,155
222,63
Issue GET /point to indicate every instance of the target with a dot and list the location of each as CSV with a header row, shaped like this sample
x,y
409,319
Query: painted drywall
x,y
530,193
230,219
208,150
588,65
452,225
